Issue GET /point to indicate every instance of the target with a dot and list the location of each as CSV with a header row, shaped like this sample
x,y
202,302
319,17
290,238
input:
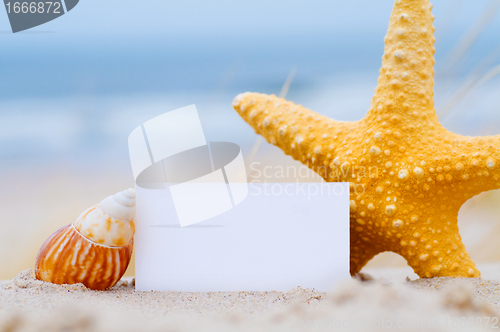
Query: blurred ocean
x,y
73,89
78,85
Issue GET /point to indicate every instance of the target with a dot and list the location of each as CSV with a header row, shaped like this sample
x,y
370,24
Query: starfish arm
x,y
307,136
427,238
405,84
436,256
478,167
362,249
457,167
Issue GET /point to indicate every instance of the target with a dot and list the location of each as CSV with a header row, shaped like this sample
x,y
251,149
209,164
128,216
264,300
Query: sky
x,y
95,73
121,47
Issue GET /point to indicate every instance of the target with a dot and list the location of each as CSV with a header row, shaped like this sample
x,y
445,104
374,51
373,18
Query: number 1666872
x,y
33,7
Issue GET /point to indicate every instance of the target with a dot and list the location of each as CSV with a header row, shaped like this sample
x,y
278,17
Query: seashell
x,y
96,249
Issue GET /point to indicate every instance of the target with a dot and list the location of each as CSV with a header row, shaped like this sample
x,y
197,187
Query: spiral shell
x,y
96,249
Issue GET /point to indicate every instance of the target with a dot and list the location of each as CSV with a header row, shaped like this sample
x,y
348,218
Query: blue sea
x,y
74,88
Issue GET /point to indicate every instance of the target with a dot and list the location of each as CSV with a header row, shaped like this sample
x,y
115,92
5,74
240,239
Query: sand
x,y
362,304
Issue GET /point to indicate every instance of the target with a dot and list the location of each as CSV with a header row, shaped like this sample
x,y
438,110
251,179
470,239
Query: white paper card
x,y
277,239
202,227
199,201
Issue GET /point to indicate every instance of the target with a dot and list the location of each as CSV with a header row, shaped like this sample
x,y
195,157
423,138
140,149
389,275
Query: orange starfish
x,y
409,175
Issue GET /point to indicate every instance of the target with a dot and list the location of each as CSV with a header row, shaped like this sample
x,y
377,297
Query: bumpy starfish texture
x,y
409,175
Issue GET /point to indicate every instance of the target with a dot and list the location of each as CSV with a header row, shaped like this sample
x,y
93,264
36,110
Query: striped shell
x,y
95,250
67,257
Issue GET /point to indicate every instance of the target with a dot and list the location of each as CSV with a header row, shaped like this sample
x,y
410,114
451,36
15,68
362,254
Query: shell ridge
x,y
86,261
95,267
59,256
107,261
119,207
97,244
117,270
46,251
65,237
58,237
85,213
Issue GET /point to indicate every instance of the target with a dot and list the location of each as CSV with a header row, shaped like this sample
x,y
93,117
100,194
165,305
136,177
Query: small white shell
x,y
111,222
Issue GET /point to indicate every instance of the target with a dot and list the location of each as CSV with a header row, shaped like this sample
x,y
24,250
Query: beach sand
x,y
385,300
